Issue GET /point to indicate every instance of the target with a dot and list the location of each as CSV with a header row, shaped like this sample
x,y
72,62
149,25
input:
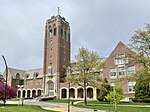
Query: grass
x,y
25,108
120,108
99,106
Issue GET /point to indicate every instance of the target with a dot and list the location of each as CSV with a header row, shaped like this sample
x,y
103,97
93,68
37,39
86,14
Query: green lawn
x,y
25,108
120,108
99,106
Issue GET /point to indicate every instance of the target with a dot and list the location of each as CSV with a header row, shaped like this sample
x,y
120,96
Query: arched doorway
x,y
72,93
39,92
19,94
80,93
64,93
33,93
24,93
89,93
28,93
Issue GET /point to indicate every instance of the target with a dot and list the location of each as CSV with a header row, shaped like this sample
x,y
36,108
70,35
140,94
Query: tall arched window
x,y
55,30
50,86
50,32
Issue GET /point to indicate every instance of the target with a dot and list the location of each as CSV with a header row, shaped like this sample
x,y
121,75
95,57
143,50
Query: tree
x,y
85,69
140,44
105,89
142,87
115,96
8,91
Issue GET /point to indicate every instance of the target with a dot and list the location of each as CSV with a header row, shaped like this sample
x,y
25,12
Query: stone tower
x,y
56,54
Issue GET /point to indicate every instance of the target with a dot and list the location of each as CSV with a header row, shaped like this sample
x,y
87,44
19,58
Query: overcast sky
x,y
96,24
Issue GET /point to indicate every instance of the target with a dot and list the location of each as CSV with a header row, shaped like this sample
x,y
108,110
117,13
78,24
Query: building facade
x,y
49,80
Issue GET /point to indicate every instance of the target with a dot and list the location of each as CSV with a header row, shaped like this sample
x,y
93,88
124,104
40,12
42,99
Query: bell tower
x,y
56,53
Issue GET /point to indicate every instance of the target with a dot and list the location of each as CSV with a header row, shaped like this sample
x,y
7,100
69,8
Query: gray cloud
x,y
96,24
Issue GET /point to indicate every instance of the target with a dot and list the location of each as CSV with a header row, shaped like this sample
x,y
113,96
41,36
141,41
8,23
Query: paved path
x,y
61,107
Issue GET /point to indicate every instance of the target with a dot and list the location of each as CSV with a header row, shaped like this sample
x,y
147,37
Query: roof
x,y
23,73
32,72
14,71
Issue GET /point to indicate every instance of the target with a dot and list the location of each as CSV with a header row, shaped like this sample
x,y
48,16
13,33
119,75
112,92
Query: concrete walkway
x,y
61,107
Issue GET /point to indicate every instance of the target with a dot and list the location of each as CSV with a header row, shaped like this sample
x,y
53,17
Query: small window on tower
x,y
54,31
50,33
50,69
61,32
65,35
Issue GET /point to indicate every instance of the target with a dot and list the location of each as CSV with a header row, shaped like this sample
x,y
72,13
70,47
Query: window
x,y
36,74
50,33
112,84
131,87
51,93
61,32
55,31
131,70
50,69
51,86
121,59
121,71
112,73
65,35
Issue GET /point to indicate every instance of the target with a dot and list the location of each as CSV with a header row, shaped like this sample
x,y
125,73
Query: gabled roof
x,y
121,46
14,71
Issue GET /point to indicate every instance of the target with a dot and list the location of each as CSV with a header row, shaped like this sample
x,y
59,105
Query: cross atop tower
x,y
58,11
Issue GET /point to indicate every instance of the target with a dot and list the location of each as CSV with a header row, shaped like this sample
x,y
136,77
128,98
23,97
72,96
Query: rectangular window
x,y
121,59
131,70
121,71
131,87
51,93
112,73
50,70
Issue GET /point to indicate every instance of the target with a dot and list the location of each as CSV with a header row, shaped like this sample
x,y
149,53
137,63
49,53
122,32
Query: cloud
x,y
96,24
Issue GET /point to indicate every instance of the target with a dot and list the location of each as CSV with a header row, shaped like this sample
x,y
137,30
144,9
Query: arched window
x,y
50,86
55,30
50,69
50,32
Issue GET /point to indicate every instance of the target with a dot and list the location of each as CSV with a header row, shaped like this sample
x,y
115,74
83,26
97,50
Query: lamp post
x,y
68,73
5,91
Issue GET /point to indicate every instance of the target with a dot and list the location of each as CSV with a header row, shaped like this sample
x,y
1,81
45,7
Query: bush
x,y
145,100
47,98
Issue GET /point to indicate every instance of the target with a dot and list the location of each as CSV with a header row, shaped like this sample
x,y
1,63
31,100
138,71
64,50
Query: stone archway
x,y
89,93
39,92
28,93
33,93
19,94
64,93
23,93
72,93
80,93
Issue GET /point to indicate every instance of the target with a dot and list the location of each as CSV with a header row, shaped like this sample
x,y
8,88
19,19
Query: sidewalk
x,y
61,107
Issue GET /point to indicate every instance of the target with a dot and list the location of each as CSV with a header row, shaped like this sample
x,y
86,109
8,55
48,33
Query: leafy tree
x,y
105,89
115,96
9,92
142,87
85,69
140,44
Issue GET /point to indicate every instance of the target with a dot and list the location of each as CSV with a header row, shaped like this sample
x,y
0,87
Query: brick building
x,y
49,80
